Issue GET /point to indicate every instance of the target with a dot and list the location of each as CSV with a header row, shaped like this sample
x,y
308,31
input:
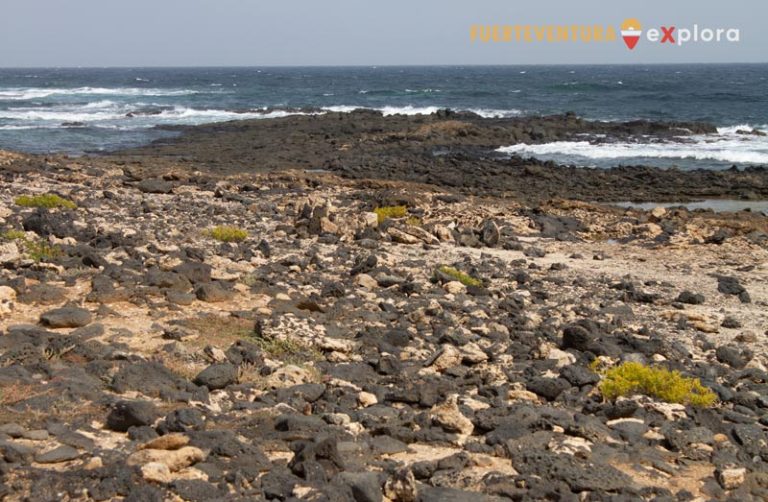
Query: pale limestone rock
x,y
401,237
7,300
448,416
671,411
454,287
730,479
472,354
522,395
422,235
328,227
474,404
157,472
370,219
215,354
93,463
443,233
571,445
172,441
9,252
562,357
302,492
175,460
366,281
648,230
401,486
447,357
288,376
335,344
366,399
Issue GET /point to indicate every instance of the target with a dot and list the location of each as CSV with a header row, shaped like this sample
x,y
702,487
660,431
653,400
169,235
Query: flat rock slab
x,y
63,453
66,317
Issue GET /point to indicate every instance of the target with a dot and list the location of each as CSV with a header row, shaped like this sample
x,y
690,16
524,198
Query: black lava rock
x,y
217,376
153,185
126,414
548,388
66,317
690,298
182,420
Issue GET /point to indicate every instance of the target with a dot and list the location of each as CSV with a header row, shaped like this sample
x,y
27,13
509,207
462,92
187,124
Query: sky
x,y
41,33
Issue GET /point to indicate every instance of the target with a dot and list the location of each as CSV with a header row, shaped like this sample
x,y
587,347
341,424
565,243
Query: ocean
x,y
91,110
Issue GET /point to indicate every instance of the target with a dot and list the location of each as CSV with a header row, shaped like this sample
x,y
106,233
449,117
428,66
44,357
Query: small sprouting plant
x,y
36,249
40,250
227,234
386,212
286,349
670,386
13,235
413,221
597,365
460,276
48,201
249,373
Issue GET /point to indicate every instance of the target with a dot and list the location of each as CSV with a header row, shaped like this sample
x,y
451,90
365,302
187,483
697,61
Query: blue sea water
x,y
96,110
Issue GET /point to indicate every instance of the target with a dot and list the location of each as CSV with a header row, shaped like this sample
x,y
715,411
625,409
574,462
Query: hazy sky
x,y
352,32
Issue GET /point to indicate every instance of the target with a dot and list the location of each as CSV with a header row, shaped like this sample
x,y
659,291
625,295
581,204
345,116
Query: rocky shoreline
x,y
225,317
455,151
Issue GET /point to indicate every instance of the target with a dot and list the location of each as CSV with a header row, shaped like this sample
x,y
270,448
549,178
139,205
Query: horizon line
x,y
409,65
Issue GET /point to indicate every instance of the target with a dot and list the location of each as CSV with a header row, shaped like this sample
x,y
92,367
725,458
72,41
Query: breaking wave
x,y
24,94
733,144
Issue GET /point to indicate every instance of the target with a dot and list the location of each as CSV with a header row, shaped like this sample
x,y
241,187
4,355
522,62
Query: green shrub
x,y
228,234
36,249
386,212
670,386
460,276
48,201
414,221
13,235
40,250
286,350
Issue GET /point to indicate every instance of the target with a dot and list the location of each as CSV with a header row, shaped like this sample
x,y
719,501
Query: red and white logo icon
x,y
631,30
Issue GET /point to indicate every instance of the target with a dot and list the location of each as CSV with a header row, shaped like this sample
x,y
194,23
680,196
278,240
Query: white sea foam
x,y
26,93
741,127
421,110
61,115
408,110
106,113
342,108
727,146
193,115
495,114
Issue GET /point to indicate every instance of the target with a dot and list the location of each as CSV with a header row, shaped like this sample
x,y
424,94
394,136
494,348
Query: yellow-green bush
x,y
36,249
386,212
47,201
460,276
228,234
40,250
414,221
670,386
13,235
